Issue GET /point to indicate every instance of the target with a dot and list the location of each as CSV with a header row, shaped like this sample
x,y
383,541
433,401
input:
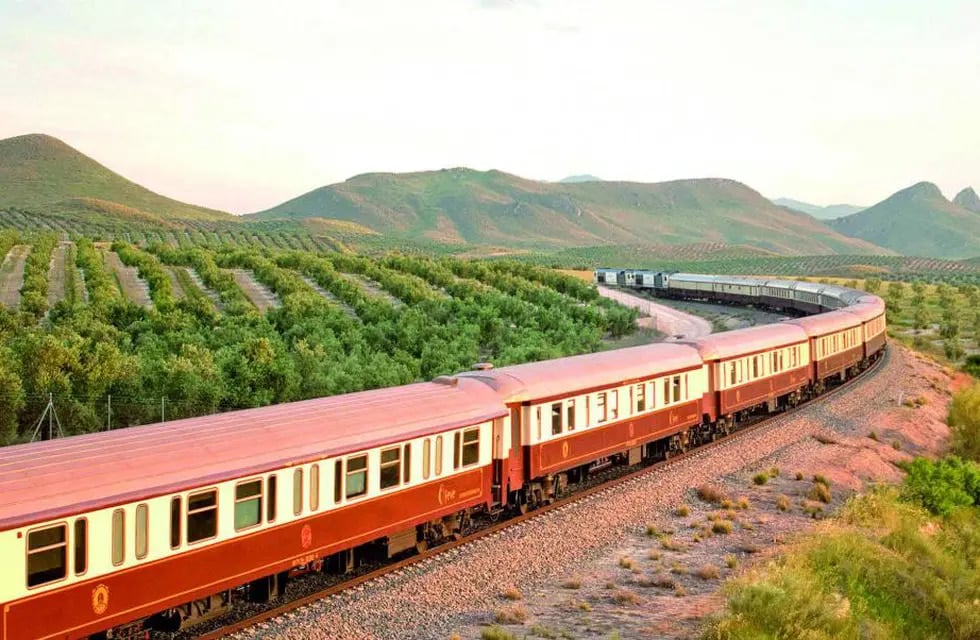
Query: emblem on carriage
x,y
632,430
100,599
564,449
306,536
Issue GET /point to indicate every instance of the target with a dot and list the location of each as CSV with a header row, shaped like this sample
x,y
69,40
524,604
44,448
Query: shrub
x,y
652,531
512,593
671,545
679,569
897,445
626,562
664,582
727,504
722,527
819,492
496,633
964,423
823,438
943,485
818,478
799,475
760,478
708,572
710,493
743,503
622,597
683,511
874,436
572,583
510,615
783,503
541,631
654,554
731,561
774,472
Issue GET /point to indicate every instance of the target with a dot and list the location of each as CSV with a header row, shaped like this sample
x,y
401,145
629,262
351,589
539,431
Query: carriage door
x,y
516,450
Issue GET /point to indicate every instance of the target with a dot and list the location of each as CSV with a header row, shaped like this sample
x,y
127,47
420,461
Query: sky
x,y
240,105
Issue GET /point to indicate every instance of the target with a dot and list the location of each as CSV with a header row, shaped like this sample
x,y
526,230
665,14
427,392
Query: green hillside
x,y
819,212
495,208
917,221
38,172
968,199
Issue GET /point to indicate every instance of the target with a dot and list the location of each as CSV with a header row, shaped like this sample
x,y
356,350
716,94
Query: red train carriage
x,y
873,323
836,344
749,368
572,414
100,530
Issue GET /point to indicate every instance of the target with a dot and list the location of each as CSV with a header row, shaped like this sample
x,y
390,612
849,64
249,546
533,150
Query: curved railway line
x,y
629,476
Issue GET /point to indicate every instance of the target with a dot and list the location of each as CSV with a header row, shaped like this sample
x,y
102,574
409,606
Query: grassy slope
x,y
44,173
462,205
918,221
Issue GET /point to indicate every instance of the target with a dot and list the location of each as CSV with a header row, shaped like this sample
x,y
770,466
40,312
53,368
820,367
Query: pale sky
x,y
241,105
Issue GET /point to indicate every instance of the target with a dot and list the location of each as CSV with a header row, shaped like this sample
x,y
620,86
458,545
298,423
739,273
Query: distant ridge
x,y
819,212
917,220
462,205
585,177
39,172
968,199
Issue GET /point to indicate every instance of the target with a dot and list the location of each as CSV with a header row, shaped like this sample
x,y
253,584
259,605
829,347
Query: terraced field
x,y
12,275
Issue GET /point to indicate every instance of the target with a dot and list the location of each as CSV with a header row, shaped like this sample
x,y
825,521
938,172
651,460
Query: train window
x,y
537,420
338,480
556,419
81,546
676,389
456,447
47,555
755,367
314,487
426,458
570,415
202,516
270,501
118,536
142,531
297,492
734,373
666,390
390,470
175,522
641,398
248,504
438,455
471,446
356,481
613,404
600,407
407,464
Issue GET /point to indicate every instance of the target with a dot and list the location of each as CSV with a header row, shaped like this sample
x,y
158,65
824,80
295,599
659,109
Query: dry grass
x,y
678,569
671,545
731,561
743,503
799,475
819,492
821,479
823,438
654,554
495,633
572,583
749,547
516,614
512,593
710,493
722,527
783,503
708,572
682,511
652,530
626,562
624,597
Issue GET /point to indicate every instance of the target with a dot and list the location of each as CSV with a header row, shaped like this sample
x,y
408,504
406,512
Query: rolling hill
x,y
38,172
917,220
820,213
466,206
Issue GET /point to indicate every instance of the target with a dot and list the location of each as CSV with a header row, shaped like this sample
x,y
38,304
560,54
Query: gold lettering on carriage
x,y
446,495
100,599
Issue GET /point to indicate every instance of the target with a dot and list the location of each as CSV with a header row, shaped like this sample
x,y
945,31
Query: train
x,y
159,527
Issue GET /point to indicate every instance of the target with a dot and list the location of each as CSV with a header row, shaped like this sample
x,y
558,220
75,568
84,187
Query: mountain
x,y
491,207
585,177
917,221
38,172
968,199
821,213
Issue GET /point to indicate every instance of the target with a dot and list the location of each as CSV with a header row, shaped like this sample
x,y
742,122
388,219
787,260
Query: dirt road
x,y
662,318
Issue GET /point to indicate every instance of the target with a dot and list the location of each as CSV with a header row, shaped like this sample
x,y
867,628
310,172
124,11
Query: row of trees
x,y
189,356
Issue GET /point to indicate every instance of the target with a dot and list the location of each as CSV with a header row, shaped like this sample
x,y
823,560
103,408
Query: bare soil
x,y
260,295
132,286
179,293
12,275
56,274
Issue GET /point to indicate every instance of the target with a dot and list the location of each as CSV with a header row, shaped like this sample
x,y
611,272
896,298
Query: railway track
x,y
285,608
